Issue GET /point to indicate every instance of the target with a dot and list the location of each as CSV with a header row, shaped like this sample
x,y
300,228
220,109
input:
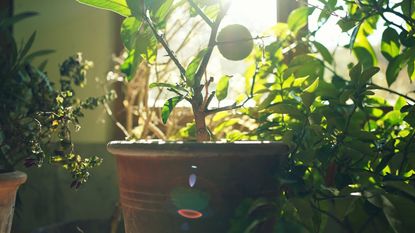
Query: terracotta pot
x,y
9,183
168,187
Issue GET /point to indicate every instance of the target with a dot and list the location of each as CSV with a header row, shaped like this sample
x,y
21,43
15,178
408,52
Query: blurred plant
x,y
351,167
37,118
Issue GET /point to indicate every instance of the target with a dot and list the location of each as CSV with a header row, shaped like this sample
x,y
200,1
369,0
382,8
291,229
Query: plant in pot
x,y
351,130
189,186
37,117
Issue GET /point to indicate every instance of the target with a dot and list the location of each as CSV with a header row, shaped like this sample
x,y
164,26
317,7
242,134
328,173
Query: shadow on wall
x,y
47,199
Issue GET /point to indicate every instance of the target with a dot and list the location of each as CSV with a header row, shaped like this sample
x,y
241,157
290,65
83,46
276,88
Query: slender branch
x,y
163,42
200,12
209,99
211,45
374,86
338,221
117,123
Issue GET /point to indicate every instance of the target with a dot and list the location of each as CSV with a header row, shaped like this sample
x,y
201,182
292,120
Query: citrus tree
x,y
143,30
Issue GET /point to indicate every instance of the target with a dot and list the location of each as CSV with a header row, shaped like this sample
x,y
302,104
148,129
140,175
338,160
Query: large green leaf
x,y
298,19
5,23
313,86
169,106
390,45
117,6
395,66
364,50
164,10
129,32
222,87
287,109
367,75
392,214
193,67
323,51
28,45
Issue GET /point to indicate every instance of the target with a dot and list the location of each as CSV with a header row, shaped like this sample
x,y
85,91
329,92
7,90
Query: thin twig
x,y
374,86
166,47
200,13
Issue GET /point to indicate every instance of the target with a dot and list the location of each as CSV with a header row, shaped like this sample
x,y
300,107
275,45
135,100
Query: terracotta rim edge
x,y
14,178
205,149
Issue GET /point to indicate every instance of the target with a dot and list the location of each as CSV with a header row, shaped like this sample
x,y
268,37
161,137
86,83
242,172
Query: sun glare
x,y
257,15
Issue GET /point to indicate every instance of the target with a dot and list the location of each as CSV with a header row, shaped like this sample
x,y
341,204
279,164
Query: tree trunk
x,y
202,133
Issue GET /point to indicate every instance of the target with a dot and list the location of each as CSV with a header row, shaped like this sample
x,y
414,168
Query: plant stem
x,y
392,91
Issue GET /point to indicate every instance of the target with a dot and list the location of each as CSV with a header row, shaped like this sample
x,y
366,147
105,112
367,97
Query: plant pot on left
x,y
9,183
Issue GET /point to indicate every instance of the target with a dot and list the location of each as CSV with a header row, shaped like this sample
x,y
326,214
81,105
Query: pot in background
x,y
192,187
9,183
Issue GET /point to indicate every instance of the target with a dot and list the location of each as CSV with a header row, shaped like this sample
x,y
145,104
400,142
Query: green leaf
x,y
390,45
407,39
392,214
164,10
169,106
129,32
222,87
394,68
117,6
364,50
28,45
287,109
368,74
308,98
5,23
38,54
400,102
130,64
298,19
355,72
323,51
313,87
346,24
193,66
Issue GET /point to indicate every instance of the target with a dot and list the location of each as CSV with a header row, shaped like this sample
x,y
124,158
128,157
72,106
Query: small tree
x,y
143,30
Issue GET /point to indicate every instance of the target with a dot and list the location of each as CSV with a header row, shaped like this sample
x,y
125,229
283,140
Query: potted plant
x,y
189,186
37,117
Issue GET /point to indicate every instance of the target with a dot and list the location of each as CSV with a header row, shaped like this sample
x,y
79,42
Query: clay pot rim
x,y
160,148
12,179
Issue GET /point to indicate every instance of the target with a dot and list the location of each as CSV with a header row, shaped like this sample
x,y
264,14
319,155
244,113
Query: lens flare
x,y
191,214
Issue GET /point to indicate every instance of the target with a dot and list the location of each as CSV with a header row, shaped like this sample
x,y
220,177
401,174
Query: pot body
x,y
169,187
9,183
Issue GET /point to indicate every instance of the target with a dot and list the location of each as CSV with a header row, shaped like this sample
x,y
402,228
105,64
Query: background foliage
x,y
37,117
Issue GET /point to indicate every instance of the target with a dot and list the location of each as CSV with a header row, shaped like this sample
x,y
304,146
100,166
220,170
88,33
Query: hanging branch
x,y
163,42
211,45
200,13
